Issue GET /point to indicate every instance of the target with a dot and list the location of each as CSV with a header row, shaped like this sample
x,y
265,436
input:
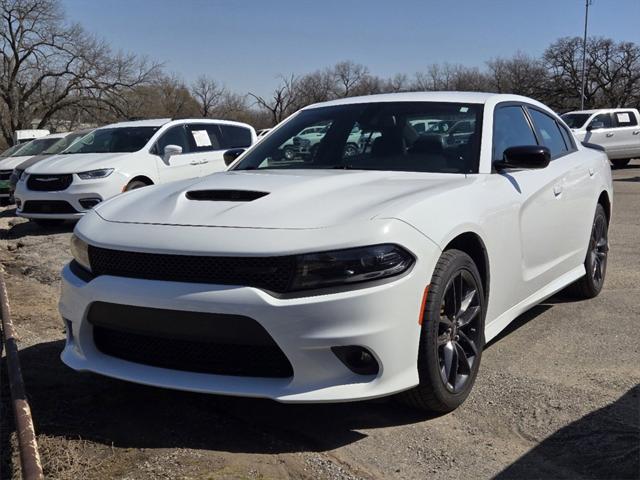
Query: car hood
x,y
291,199
32,161
9,163
77,162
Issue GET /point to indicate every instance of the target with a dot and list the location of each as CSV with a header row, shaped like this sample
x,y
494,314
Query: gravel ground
x,y
558,395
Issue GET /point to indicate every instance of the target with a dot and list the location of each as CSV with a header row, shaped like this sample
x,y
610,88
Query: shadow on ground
x,y
31,229
603,444
69,404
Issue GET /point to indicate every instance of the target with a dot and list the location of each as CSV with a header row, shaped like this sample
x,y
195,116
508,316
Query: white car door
x,y
177,166
601,132
628,133
537,196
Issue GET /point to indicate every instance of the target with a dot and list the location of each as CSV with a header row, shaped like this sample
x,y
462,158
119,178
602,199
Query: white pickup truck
x,y
617,130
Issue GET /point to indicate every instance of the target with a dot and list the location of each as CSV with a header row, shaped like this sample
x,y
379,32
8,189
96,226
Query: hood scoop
x,y
225,195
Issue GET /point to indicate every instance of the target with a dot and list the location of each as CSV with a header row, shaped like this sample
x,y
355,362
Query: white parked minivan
x,y
125,156
617,130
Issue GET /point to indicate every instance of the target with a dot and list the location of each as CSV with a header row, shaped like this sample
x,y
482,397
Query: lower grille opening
x,y
48,206
187,341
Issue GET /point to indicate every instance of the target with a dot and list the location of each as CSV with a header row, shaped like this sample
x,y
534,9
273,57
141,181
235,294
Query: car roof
x,y
159,122
600,110
53,135
453,97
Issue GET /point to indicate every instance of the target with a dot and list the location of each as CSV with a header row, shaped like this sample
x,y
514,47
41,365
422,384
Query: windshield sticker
x,y
623,117
464,109
201,137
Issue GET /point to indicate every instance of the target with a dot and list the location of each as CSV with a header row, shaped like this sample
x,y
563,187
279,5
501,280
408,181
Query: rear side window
x,y
174,136
549,131
235,137
510,129
625,119
204,137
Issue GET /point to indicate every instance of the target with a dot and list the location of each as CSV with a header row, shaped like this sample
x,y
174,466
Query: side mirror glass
x,y
171,150
524,157
231,155
595,126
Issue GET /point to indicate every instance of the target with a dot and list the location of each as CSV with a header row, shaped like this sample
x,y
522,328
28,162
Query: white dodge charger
x,y
343,276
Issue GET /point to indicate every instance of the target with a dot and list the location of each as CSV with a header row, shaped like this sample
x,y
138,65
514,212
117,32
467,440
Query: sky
x,y
247,44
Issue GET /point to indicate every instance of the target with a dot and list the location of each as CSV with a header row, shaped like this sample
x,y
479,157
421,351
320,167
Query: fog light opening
x,y
18,203
68,330
357,359
89,203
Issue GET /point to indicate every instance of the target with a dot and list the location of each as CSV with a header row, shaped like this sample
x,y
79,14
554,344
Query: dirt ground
x,y
558,395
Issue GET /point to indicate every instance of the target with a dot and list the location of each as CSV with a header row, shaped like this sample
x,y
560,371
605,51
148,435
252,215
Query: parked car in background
x,y
617,130
19,155
23,136
62,144
347,276
123,157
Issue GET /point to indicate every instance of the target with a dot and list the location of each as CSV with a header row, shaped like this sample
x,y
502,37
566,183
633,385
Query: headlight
x,y
80,252
353,265
91,174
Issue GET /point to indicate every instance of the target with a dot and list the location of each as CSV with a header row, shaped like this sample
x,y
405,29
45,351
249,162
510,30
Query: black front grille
x,y
49,183
268,273
5,174
48,206
187,341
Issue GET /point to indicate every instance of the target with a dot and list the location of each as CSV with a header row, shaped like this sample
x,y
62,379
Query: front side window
x,y
549,132
601,121
235,137
625,119
173,136
510,129
373,136
113,140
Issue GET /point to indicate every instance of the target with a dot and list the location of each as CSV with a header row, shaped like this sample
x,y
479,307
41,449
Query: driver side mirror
x,y
171,150
595,126
524,157
230,155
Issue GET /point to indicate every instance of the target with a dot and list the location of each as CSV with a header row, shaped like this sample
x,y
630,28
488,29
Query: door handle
x,y
557,189
204,161
609,134
637,132
194,163
592,172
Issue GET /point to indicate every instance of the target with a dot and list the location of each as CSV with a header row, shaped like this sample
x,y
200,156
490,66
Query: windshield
x,y
113,140
63,143
34,147
575,120
11,150
374,136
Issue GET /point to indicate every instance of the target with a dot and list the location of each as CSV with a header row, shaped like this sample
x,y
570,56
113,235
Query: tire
x,y
350,150
620,162
289,154
441,391
134,185
595,263
48,222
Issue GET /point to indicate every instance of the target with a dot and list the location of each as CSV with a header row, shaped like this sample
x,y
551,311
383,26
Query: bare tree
x,y
282,101
208,93
48,65
348,76
520,74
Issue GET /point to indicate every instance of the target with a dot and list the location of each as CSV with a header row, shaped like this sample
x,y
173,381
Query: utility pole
x,y
584,52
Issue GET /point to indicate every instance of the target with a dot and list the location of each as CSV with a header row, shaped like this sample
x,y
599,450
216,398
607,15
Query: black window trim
x,y
570,148
612,122
198,124
526,117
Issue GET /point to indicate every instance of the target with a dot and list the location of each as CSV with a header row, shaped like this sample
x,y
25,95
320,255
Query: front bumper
x,y
381,318
101,189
